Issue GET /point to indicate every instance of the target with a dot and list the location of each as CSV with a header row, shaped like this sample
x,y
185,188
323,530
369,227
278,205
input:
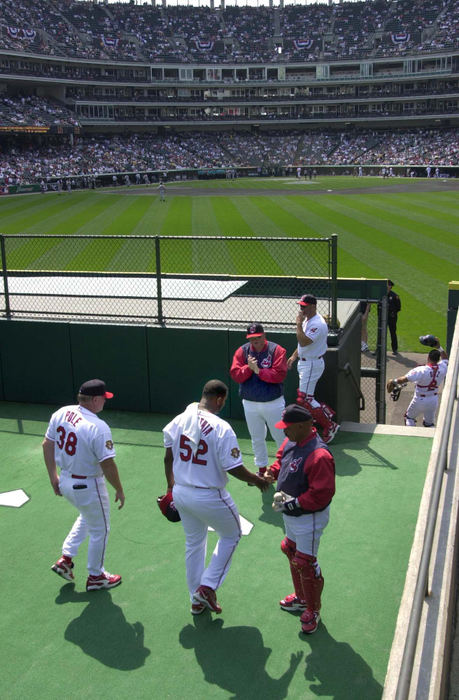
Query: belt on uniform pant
x,y
423,396
303,359
77,476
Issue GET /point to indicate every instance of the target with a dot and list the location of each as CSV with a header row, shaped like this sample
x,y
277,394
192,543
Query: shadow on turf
x,y
102,631
234,658
337,671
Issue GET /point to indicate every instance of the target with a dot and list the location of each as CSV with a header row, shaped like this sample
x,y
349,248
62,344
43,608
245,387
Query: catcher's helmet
x,y
429,340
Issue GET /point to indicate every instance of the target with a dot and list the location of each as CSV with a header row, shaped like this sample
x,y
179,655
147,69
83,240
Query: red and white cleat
x,y
103,581
291,602
329,433
63,567
207,595
198,608
310,621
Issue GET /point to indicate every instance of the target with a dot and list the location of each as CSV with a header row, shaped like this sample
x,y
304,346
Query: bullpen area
x,y
140,639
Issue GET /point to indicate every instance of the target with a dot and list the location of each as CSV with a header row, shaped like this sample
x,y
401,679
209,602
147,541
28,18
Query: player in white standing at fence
x,y
312,334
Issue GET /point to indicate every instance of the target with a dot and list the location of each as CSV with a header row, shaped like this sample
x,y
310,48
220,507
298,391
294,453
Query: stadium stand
x,y
143,152
127,87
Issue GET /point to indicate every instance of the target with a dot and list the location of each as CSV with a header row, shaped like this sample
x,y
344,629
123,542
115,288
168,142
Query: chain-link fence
x,y
198,280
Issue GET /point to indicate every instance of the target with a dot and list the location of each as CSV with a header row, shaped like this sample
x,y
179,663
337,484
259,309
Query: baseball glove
x,y
394,389
430,340
167,507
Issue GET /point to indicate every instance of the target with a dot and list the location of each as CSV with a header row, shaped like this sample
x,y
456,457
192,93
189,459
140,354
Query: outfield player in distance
x,y
428,379
305,473
81,444
260,367
312,333
201,449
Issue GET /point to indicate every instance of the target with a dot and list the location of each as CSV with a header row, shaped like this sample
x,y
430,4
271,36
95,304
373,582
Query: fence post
x,y
5,277
158,281
334,281
381,361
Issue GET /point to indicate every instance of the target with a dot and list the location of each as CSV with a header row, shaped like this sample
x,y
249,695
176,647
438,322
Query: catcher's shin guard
x,y
289,549
320,417
310,579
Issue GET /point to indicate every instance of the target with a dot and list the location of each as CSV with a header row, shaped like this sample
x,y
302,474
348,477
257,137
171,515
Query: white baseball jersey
x,y
315,329
428,378
81,440
217,450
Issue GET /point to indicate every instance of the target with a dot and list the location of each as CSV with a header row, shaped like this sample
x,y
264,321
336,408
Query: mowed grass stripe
x,y
231,223
442,218
294,262
420,308
398,230
135,255
177,256
11,207
58,210
208,257
31,252
371,245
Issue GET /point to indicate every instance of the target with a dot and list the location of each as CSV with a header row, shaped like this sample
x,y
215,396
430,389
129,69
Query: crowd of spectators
x,y
34,111
237,34
89,156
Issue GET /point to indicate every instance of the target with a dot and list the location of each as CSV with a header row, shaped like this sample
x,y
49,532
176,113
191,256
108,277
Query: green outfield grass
x,y
409,235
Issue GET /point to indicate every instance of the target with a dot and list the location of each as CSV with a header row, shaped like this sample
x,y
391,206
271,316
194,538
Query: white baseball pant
x,y
309,372
94,520
200,508
426,405
306,530
258,415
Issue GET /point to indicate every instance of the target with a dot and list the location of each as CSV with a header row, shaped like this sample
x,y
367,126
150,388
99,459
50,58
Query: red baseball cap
x,y
307,300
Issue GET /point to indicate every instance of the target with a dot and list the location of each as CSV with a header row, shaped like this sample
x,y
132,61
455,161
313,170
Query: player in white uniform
x,y
81,444
428,379
201,449
312,333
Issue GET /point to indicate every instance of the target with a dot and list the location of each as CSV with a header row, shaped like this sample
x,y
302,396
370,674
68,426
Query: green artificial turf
x,y
140,640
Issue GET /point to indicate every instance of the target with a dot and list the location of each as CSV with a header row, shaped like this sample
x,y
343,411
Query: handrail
x,y
348,369
441,438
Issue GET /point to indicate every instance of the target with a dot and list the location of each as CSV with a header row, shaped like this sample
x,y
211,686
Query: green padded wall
x,y
116,354
36,364
181,361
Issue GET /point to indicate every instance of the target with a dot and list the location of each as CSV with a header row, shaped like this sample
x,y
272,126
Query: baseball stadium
x,y
171,174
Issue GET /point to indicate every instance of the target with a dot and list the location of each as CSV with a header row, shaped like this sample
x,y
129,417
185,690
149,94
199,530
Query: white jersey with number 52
x,y
81,440
217,451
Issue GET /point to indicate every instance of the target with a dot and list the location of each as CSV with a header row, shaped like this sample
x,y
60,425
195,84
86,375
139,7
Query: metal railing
x,y
440,455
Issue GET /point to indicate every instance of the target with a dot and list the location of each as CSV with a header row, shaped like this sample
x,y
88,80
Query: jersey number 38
x,y
67,441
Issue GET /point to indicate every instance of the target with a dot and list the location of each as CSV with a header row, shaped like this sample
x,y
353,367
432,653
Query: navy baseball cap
x,y
294,413
95,387
255,330
307,300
